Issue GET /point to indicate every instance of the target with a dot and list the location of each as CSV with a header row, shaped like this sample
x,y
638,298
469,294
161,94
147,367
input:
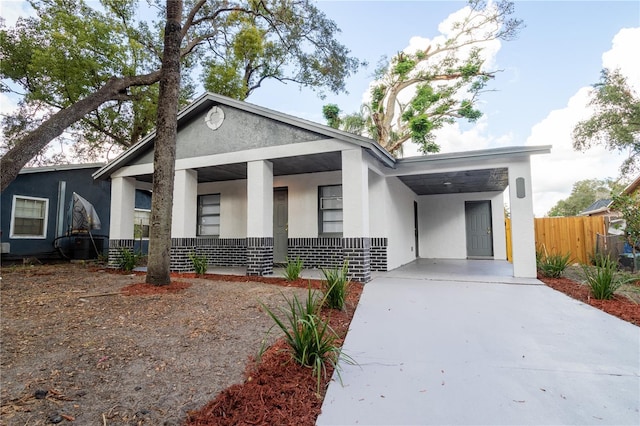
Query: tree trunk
x,y
29,146
164,156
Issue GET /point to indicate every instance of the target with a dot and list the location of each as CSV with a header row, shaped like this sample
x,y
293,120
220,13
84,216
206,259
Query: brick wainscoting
x,y
365,254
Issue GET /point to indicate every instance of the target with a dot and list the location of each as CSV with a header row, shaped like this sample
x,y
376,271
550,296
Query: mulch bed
x,y
619,306
277,390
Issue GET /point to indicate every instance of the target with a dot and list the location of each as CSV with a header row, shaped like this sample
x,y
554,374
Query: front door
x,y
280,225
479,228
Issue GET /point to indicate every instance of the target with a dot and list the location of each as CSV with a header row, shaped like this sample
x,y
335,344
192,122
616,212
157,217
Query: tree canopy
x,y
92,72
585,193
420,91
615,122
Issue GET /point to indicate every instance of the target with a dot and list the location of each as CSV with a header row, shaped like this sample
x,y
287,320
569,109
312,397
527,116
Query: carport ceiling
x,y
487,180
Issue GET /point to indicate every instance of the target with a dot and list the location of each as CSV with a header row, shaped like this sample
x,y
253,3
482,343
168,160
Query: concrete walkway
x,y
462,343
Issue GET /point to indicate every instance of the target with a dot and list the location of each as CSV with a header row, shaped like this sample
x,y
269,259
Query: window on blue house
x,y
29,217
330,210
209,215
141,221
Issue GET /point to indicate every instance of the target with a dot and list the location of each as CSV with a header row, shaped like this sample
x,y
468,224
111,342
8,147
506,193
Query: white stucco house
x,y
254,186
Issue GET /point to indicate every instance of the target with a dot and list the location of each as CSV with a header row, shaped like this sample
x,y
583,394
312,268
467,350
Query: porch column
x,y
522,224
183,220
259,217
185,200
123,201
356,244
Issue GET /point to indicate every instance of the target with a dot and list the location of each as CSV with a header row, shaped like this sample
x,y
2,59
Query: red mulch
x,y
276,390
619,306
140,289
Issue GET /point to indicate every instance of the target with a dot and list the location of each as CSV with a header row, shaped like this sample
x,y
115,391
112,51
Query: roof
x,y
418,173
597,206
207,100
60,167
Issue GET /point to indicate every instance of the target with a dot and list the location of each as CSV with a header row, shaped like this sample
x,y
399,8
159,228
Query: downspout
x,y
62,192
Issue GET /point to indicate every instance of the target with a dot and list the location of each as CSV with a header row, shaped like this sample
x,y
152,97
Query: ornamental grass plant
x,y
311,340
293,269
552,265
603,278
335,286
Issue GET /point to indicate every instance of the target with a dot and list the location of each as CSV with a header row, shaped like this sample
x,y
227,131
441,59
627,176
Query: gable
x,y
240,131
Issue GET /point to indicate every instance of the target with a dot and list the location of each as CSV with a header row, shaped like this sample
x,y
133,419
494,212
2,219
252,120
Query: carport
x,y
460,207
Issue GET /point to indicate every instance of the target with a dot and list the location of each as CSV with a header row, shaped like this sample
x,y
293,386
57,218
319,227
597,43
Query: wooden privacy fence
x,y
574,235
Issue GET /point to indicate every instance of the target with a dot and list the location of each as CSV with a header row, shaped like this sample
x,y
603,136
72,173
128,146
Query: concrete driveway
x,y
463,343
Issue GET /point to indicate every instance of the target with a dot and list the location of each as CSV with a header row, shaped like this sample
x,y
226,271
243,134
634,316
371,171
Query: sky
x,y
540,93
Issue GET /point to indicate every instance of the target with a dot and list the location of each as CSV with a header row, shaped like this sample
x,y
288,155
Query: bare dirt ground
x,y
75,348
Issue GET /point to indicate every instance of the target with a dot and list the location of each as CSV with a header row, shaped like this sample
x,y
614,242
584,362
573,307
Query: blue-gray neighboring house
x,y
41,218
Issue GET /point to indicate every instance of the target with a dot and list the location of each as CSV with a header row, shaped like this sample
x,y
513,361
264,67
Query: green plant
x,y
311,340
128,259
552,265
600,259
603,279
335,286
293,268
200,263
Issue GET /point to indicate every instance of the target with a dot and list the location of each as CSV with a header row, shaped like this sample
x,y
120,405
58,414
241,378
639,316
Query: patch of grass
x,y
129,259
335,286
552,265
311,340
293,268
200,263
603,280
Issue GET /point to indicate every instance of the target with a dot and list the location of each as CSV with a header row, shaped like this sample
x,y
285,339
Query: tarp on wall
x,y
83,216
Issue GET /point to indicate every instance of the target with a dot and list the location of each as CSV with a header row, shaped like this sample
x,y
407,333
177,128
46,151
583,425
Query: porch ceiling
x,y
487,180
312,163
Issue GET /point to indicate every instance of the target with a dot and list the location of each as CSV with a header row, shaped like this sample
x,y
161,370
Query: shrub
x,y
311,340
552,265
603,279
335,286
292,269
600,259
128,259
200,263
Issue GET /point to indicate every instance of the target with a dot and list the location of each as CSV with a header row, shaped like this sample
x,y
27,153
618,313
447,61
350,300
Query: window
x,y
29,217
330,210
141,220
209,215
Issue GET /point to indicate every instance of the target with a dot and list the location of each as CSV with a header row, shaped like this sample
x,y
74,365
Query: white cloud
x,y
11,10
554,174
624,55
